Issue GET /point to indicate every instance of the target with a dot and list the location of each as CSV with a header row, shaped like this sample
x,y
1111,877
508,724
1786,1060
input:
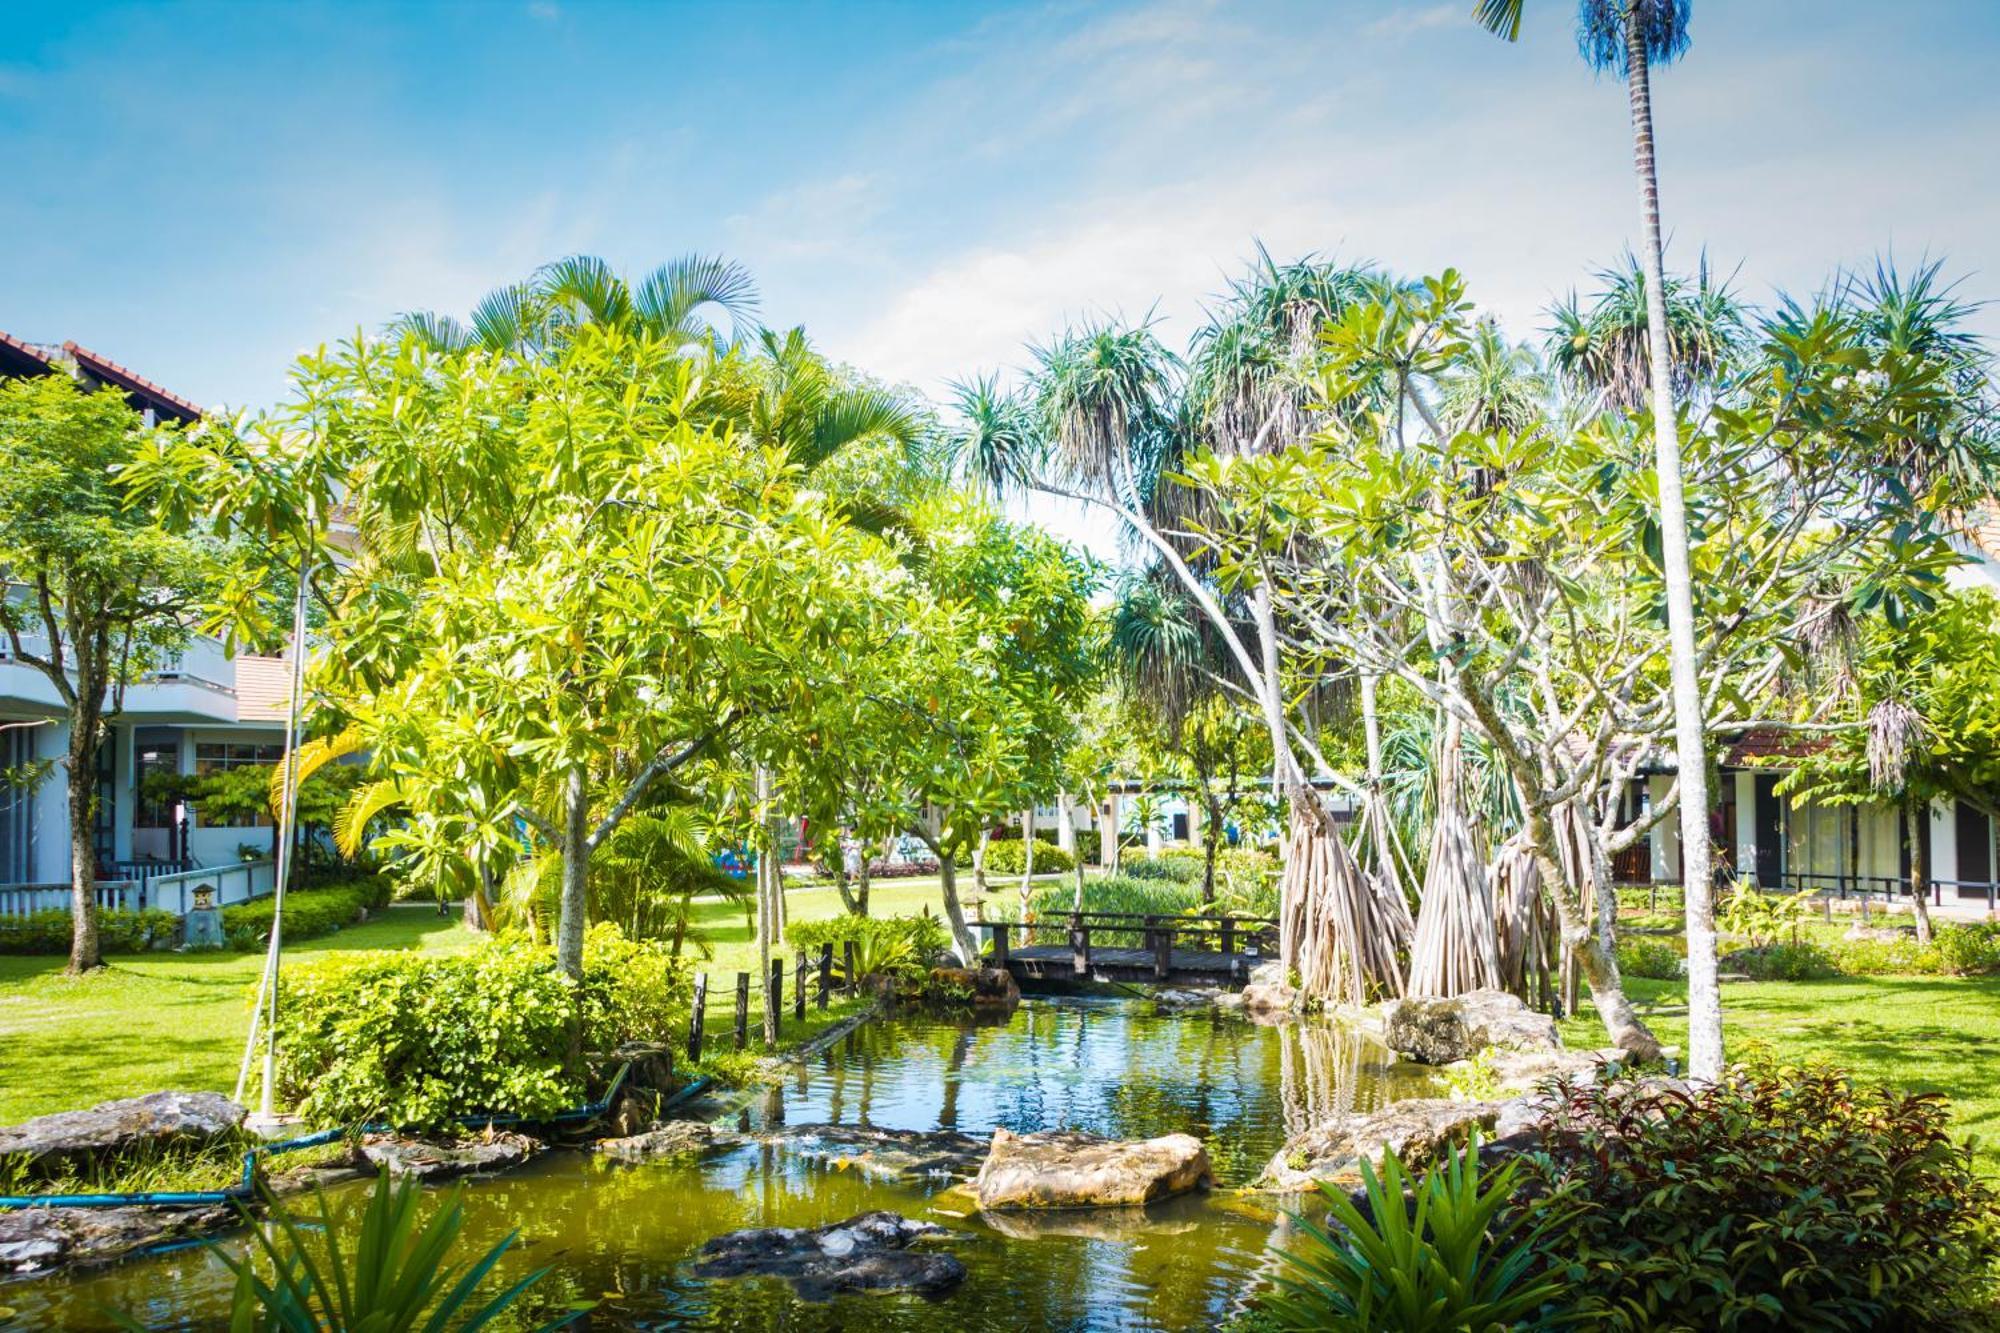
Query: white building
x,y
204,712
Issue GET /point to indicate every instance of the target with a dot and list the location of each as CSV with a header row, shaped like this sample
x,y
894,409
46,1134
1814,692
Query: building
x,y
203,712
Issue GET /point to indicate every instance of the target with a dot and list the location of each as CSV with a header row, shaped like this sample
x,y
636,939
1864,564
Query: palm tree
x,y
996,446
1630,37
681,300
1604,349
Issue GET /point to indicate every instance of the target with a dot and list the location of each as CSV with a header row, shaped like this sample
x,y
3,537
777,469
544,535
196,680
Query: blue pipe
x,y
199,1198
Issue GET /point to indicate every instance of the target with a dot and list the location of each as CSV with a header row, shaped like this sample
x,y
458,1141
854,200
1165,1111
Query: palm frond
x,y
1600,31
439,333
673,300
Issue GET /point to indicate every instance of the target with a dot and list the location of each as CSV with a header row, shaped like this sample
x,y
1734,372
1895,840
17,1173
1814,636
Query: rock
x,y
36,1240
430,1162
1333,1151
1444,1031
867,1252
44,1146
1267,1001
1061,1169
1173,1001
1515,1071
890,1154
676,1138
989,985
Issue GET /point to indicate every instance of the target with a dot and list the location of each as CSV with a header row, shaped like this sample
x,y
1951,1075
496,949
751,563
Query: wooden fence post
x,y
799,988
742,1010
847,958
1000,944
1163,952
1228,936
695,1017
825,973
774,998
1079,945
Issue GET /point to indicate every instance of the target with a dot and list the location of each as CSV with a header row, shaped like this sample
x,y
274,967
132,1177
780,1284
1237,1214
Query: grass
x,y
1919,1034
154,1021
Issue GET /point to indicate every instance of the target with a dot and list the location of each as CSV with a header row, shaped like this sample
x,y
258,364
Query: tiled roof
x,y
1982,526
1753,748
106,369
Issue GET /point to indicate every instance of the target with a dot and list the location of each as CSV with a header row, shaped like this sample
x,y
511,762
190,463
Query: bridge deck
x,y
1057,962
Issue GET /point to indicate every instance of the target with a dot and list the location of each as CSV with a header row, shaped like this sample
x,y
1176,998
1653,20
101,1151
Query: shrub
x,y
885,945
420,1040
1966,950
309,913
1089,845
1010,858
1649,956
119,930
1779,1197
1806,960
1953,951
1173,867
1441,1252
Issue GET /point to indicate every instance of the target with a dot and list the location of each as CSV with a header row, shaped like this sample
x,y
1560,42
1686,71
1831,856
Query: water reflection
x,y
623,1235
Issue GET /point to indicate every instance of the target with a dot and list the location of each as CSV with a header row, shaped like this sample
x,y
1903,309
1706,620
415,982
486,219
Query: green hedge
x,y
309,913
420,1039
1010,858
118,931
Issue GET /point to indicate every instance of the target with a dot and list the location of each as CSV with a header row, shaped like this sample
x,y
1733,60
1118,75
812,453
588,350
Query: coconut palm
x,y
1629,37
1497,386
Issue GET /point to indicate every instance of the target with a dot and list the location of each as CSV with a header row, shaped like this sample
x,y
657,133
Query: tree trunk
x,y
1705,1054
962,943
1600,966
768,871
1914,822
575,901
840,879
979,863
861,898
1211,844
84,740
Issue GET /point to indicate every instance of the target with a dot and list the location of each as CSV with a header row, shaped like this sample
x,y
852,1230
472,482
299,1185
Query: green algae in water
x,y
623,1236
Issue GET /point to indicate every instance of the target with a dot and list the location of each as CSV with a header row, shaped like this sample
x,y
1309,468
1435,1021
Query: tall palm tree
x,y
1629,37
1604,347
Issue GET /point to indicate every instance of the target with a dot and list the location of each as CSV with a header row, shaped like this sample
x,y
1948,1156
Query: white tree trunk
x,y
1705,1053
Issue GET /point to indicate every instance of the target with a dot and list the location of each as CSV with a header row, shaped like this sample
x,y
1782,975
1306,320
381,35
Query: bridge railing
x,y
1157,935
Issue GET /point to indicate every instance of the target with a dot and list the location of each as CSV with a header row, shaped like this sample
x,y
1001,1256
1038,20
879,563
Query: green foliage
x,y
390,1269
420,1040
1169,866
1762,919
883,945
1433,1255
1954,950
1787,960
1649,956
1089,845
309,914
1781,1197
1010,858
119,930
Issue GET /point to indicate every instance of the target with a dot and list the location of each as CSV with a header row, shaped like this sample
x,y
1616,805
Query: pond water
x,y
623,1235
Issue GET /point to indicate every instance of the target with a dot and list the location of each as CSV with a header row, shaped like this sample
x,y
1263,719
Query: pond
x,y
623,1235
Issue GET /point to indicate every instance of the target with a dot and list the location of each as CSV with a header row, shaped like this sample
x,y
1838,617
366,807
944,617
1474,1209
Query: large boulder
x,y
867,1252
45,1146
1269,995
37,1240
1416,1130
429,1162
1061,1169
889,1154
1445,1031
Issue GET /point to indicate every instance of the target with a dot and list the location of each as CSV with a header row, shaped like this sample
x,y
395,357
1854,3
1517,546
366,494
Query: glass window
x,y
217,756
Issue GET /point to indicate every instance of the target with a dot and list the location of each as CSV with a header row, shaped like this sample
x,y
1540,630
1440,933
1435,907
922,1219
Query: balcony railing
x,y
168,889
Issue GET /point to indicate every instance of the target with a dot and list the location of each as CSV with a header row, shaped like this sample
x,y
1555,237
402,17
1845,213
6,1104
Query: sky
x,y
203,192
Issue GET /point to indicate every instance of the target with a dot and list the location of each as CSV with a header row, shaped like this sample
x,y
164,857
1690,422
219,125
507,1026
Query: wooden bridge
x,y
1122,946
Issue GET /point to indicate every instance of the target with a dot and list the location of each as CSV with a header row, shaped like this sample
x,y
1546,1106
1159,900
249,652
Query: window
x,y
17,805
216,757
151,809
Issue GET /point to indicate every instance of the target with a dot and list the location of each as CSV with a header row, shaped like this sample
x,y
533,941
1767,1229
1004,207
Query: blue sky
x,y
202,191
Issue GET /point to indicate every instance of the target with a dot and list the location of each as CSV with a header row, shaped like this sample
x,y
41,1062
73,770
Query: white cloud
x,y
1406,19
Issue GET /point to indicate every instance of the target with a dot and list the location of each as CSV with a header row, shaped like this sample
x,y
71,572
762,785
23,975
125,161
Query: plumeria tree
x,y
1510,572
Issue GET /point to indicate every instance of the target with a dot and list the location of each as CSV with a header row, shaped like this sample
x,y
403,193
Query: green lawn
x,y
154,1021
167,1020
1922,1034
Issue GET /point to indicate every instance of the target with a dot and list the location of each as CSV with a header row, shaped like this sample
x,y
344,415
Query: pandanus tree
x,y
1123,416
1629,37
